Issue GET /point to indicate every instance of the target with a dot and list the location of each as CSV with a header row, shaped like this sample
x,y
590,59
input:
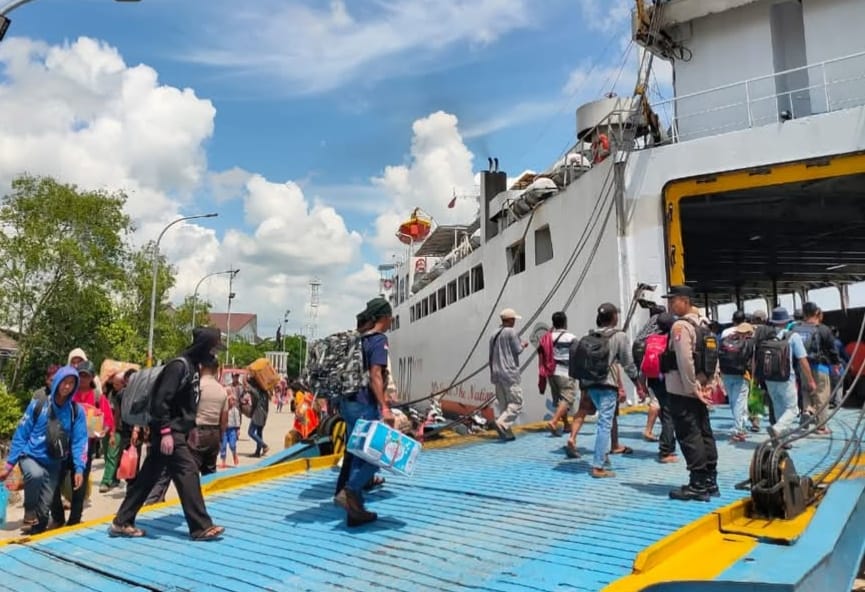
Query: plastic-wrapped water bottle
x,y
4,501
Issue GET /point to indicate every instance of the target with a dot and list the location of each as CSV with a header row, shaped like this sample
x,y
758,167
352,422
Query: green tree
x,y
60,248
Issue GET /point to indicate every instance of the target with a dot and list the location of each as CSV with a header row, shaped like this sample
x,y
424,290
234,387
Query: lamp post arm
x,y
10,6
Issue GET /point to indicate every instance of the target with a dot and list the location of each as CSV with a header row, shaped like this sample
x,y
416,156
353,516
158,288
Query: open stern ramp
x,y
513,517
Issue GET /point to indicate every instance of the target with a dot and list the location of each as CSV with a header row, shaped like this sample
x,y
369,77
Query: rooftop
x,y
239,320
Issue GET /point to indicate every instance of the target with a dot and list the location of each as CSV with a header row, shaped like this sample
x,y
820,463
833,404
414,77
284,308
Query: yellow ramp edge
x,y
705,548
218,485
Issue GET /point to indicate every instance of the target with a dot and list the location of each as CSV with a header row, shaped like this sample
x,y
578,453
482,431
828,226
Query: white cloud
x,y
318,47
440,165
79,113
606,16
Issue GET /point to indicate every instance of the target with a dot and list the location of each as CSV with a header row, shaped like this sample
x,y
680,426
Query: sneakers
x,y
687,493
505,434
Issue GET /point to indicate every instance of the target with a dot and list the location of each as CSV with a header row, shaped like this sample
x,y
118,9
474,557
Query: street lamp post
x,y
155,273
198,285
282,327
228,318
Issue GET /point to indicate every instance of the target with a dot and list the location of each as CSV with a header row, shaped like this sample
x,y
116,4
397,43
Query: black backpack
x,y
589,359
56,438
810,335
735,353
772,358
705,352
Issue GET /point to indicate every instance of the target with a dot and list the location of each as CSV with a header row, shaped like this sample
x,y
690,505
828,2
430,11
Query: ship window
x,y
477,278
464,285
443,297
433,303
452,292
517,257
543,245
424,307
411,316
417,314
395,324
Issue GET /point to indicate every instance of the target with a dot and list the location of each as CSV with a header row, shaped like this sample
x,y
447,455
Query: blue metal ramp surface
x,y
495,517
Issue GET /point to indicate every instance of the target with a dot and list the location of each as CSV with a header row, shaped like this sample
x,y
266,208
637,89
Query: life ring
x,y
600,148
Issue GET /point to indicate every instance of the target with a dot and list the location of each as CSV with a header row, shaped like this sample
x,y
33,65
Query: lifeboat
x,y
415,229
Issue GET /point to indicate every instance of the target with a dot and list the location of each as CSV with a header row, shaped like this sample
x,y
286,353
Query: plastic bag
x,y
128,467
15,480
756,400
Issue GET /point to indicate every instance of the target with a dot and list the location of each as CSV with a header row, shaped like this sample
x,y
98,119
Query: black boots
x,y
355,513
695,490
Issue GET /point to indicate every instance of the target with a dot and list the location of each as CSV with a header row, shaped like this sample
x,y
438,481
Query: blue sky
x,y
323,95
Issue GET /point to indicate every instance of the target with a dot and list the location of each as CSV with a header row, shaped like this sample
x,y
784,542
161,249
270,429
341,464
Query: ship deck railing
x,y
822,87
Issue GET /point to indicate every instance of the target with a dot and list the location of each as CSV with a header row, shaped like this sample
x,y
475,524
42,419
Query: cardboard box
x,y
378,443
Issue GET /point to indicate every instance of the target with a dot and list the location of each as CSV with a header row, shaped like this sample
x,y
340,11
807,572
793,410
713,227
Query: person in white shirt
x,y
562,386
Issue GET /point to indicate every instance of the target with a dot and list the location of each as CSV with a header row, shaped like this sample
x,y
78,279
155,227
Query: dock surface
x,y
488,516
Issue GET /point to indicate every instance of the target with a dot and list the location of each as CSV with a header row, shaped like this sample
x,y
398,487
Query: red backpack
x,y
656,344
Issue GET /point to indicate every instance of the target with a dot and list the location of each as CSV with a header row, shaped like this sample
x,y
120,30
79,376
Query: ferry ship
x,y
746,184
748,190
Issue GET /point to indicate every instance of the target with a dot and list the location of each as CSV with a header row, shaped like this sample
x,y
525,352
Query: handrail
x,y
763,77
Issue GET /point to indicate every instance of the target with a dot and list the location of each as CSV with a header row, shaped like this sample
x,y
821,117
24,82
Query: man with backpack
x,y
504,362
650,345
172,402
689,365
553,355
819,342
592,361
734,359
52,432
773,364
364,381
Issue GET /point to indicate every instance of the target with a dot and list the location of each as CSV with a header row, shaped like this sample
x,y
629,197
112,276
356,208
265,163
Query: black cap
x,y
686,291
739,317
810,309
607,308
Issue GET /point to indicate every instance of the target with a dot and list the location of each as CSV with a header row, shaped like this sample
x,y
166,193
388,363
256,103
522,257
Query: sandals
x,y
571,450
602,474
648,437
623,450
127,532
211,534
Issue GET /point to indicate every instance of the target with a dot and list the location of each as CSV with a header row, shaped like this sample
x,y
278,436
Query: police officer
x,y
690,393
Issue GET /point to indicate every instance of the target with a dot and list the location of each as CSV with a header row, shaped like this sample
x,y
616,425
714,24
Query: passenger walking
x,y
211,419
654,337
689,367
774,362
368,402
554,348
735,359
258,419
504,362
87,396
52,432
112,445
172,411
592,361
819,343
232,429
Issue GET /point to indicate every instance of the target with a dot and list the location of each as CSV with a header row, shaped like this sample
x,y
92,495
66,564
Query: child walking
x,y
229,437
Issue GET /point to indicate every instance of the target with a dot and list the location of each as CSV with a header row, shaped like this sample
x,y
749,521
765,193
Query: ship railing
x,y
823,87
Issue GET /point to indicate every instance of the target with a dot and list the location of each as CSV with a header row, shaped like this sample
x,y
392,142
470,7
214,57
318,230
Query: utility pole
x,y
228,319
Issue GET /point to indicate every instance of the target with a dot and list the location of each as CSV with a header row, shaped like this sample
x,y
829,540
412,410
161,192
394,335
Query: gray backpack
x,y
137,397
